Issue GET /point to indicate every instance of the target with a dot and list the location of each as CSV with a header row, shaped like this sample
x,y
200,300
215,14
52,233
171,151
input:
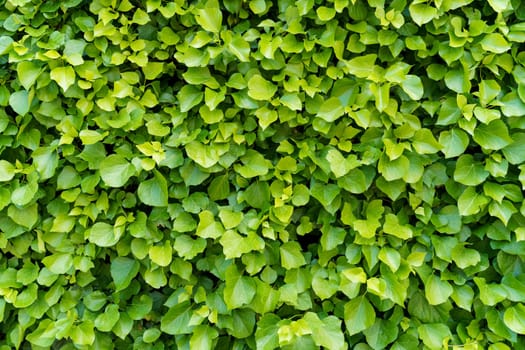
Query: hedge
x,y
254,174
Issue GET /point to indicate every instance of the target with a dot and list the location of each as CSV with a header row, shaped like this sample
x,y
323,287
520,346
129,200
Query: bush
x,y
260,174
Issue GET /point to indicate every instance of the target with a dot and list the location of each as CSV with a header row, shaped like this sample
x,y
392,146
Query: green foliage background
x,y
262,174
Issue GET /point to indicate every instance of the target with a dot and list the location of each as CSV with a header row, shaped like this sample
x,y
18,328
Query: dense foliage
x,y
262,174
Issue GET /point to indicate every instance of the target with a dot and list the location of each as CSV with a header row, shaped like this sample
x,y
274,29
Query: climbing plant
x,y
255,174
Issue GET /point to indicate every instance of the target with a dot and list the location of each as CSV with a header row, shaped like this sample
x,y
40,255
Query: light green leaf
x,y
492,136
26,216
514,318
189,96
465,257
203,337
469,171
393,169
413,87
58,263
7,171
239,290
254,164
123,270
266,116
437,291
424,142
500,5
495,42
177,319
422,13
362,66
359,315
103,235
488,90
326,332
63,76
454,142
161,254
260,88
20,102
204,155
240,48
331,109
486,115
470,202
28,72
210,17
154,192
433,335
115,170
107,320
515,152
457,81
291,255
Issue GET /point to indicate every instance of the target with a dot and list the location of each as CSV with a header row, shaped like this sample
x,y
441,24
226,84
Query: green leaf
x,y
266,116
515,152
176,320
240,48
453,142
469,171
154,192
210,17
465,257
514,318
437,291
28,72
115,170
291,255
382,333
486,115
7,171
20,102
393,169
433,335
204,155
123,270
103,235
413,87
470,202
254,164
362,66
500,5
59,263
203,337
189,96
326,332
257,195
495,42
83,333
63,76
260,88
331,110
488,91
26,216
457,81
239,290
107,320
219,188
161,254
266,335
492,136
422,13
359,315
